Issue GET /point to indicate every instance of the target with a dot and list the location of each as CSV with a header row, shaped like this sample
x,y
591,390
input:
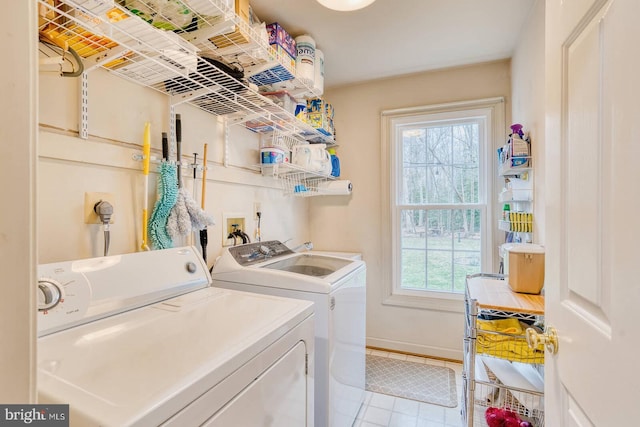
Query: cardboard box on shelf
x,y
284,57
319,105
279,37
321,122
238,36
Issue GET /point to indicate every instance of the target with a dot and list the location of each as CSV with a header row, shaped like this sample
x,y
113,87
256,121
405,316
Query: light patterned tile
x,y
402,420
429,423
367,397
377,416
383,401
367,424
432,412
452,416
407,407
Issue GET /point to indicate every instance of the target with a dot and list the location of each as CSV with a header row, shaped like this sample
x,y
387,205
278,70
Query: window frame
x,y
493,110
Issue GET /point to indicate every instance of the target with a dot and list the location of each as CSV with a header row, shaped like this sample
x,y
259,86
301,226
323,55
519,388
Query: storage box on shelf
x,y
109,34
279,37
499,369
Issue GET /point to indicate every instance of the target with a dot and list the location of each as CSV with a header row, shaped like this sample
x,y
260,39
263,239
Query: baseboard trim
x,y
415,350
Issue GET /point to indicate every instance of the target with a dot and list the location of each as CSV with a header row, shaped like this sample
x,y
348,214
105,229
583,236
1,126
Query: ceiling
x,y
395,37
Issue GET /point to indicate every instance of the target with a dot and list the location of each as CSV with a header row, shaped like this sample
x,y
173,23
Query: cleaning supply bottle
x,y
335,163
506,209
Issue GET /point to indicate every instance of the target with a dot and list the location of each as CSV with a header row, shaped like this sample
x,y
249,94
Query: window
x,y
439,196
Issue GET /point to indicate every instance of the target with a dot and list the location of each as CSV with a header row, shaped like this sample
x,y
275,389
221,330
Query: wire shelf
x,y
294,180
193,59
500,370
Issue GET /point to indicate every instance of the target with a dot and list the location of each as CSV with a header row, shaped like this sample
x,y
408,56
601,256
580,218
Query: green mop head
x,y
167,196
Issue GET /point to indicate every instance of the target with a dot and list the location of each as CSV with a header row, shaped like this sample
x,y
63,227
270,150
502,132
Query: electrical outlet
x,y
90,200
231,222
257,207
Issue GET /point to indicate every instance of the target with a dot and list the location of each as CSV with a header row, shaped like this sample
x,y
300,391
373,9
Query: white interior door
x,y
593,201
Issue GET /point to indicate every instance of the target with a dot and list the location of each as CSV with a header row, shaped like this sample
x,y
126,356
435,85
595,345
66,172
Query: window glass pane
x,y
413,228
439,162
414,180
464,263
439,274
439,235
413,267
453,243
466,169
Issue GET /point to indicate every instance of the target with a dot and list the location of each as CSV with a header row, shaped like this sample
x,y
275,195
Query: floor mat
x,y
411,380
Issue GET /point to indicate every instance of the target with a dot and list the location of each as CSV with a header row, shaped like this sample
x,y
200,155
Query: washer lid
x,y
142,366
309,265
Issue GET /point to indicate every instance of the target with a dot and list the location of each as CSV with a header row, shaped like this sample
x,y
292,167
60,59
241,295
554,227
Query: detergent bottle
x,y
335,163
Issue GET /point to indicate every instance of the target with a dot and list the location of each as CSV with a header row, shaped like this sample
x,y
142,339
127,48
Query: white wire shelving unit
x,y
295,180
185,62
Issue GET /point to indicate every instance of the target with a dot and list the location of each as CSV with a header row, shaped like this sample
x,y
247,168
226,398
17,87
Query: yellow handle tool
x,y
146,153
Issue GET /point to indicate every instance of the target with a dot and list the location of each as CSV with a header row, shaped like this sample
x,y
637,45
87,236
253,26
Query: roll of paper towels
x,y
338,187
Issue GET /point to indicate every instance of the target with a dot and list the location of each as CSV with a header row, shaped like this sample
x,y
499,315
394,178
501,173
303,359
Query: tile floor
x,y
388,411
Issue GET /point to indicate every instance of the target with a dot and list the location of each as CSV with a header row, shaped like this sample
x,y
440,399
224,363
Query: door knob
x,y
549,339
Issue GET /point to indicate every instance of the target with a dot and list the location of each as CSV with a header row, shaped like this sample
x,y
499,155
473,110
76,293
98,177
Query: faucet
x,y
306,246
238,233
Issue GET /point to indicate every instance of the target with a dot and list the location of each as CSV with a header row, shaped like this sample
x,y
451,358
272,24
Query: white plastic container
x,y
318,79
306,59
524,266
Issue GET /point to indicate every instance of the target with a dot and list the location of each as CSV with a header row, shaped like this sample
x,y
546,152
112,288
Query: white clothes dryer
x,y
337,287
143,340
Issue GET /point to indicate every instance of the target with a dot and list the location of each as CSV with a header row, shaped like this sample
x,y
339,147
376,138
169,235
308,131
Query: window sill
x,y
437,301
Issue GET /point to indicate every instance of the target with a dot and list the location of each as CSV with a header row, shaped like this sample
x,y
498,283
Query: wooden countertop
x,y
495,294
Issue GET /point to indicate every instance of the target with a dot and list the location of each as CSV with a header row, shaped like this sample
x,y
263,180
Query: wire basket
x,y
527,404
504,337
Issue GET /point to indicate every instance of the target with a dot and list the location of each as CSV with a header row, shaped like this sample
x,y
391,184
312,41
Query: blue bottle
x,y
335,163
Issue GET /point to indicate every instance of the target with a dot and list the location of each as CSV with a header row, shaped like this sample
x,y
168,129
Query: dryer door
x,y
278,397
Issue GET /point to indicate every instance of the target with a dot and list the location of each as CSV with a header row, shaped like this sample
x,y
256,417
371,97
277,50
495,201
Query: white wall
x,y
70,166
527,89
354,223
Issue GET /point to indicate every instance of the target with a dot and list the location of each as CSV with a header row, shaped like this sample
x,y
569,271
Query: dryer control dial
x,y
49,294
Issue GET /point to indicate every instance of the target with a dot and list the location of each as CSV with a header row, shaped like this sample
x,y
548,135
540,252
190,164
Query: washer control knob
x,y
191,267
49,294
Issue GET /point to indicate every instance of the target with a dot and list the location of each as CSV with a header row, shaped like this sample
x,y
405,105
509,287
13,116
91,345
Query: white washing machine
x,y
143,340
337,286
